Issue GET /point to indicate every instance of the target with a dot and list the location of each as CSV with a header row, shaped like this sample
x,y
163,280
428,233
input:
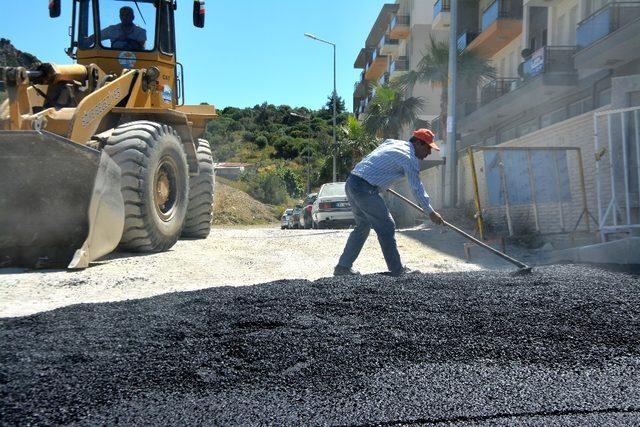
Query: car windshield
x,y
128,24
330,190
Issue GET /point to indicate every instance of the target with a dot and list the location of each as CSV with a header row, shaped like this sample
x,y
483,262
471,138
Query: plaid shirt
x,y
391,161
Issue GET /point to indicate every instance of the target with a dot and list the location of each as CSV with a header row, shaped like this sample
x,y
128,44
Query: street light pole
x,y
334,96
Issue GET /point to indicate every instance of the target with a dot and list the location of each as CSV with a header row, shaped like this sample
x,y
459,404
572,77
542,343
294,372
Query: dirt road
x,y
230,256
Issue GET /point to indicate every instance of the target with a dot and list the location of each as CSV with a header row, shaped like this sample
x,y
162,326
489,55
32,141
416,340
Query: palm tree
x,y
434,69
357,139
389,112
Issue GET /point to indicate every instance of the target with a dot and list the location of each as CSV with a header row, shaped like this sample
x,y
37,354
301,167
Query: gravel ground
x,y
559,347
230,256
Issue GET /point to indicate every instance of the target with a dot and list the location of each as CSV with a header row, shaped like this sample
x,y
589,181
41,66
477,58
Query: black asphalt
x,y
558,347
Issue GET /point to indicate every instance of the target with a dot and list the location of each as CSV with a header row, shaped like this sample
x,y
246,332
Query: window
x,y
167,33
573,25
507,135
595,5
86,38
634,98
604,98
560,30
553,117
528,127
579,107
127,25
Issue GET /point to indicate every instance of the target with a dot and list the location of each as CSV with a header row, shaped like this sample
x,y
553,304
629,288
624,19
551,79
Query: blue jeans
x,y
369,211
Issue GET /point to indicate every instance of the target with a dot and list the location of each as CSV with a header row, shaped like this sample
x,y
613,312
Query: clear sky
x,y
249,52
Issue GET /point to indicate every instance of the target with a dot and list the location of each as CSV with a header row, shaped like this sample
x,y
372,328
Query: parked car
x,y
294,219
332,207
284,221
307,206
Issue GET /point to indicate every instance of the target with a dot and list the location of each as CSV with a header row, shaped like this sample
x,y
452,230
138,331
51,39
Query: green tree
x,y
356,138
433,68
389,111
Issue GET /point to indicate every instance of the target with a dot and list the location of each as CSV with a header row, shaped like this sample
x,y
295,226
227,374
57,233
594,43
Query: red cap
x,y
426,136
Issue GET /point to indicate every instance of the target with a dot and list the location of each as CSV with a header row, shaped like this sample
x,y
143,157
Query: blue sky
x,y
249,52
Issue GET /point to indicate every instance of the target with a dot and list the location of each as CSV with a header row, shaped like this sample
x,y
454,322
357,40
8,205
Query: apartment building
x,y
396,43
566,69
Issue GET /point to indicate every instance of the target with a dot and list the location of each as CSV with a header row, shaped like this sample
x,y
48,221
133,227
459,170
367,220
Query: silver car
x,y
332,207
284,221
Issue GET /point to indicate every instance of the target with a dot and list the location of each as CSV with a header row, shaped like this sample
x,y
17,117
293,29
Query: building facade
x,y
565,70
397,42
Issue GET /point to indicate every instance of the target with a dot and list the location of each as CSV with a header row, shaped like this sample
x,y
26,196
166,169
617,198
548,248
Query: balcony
x,y
496,88
384,79
361,87
465,39
609,37
376,66
549,72
399,66
389,46
501,24
554,63
441,15
399,27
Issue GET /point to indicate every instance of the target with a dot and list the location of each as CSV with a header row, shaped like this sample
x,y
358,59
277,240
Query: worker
x,y
389,162
126,35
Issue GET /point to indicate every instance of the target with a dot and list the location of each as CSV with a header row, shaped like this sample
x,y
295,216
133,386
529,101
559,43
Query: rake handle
x,y
464,234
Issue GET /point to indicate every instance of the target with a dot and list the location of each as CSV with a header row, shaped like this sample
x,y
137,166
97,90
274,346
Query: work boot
x,y
402,272
344,271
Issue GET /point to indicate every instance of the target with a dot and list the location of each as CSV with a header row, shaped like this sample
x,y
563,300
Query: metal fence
x,y
617,151
531,189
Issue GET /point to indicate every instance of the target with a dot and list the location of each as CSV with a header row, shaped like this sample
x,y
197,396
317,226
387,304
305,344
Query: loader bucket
x,y
60,202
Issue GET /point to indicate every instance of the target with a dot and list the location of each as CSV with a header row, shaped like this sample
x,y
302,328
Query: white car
x,y
284,221
332,207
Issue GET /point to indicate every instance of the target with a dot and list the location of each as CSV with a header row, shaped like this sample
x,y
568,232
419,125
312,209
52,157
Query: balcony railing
x,y
386,40
501,9
549,59
465,39
400,64
399,20
496,88
441,6
606,20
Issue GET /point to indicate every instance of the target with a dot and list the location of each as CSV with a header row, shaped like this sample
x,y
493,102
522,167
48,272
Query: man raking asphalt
x,y
391,161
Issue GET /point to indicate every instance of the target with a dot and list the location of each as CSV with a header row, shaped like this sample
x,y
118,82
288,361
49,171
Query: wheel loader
x,y
102,153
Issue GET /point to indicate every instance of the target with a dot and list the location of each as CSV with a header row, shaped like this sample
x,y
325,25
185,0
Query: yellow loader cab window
x,y
128,25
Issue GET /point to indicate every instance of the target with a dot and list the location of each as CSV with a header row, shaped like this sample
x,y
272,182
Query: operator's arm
x,y
412,171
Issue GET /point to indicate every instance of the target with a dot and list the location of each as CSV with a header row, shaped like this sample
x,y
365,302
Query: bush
x,y
267,187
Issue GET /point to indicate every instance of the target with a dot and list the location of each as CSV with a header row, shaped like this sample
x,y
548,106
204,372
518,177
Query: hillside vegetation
x,y
290,148
12,57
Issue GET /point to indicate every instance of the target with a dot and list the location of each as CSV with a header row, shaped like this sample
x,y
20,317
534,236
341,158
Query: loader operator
x,y
126,35
392,160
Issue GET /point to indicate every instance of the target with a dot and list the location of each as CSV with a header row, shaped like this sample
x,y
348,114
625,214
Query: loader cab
x,y
130,34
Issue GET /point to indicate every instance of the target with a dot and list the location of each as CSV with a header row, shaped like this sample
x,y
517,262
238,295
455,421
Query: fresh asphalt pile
x,y
560,346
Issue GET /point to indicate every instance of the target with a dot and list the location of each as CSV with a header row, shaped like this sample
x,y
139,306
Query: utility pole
x,y
452,154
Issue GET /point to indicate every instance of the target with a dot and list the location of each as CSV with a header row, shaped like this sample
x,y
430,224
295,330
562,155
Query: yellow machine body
x,y
54,105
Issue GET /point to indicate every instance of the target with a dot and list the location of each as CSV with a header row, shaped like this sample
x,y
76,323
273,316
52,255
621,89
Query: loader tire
x,y
155,184
200,210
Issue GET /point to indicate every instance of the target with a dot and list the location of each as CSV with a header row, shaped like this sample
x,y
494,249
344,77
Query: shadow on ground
x,y
448,242
559,346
